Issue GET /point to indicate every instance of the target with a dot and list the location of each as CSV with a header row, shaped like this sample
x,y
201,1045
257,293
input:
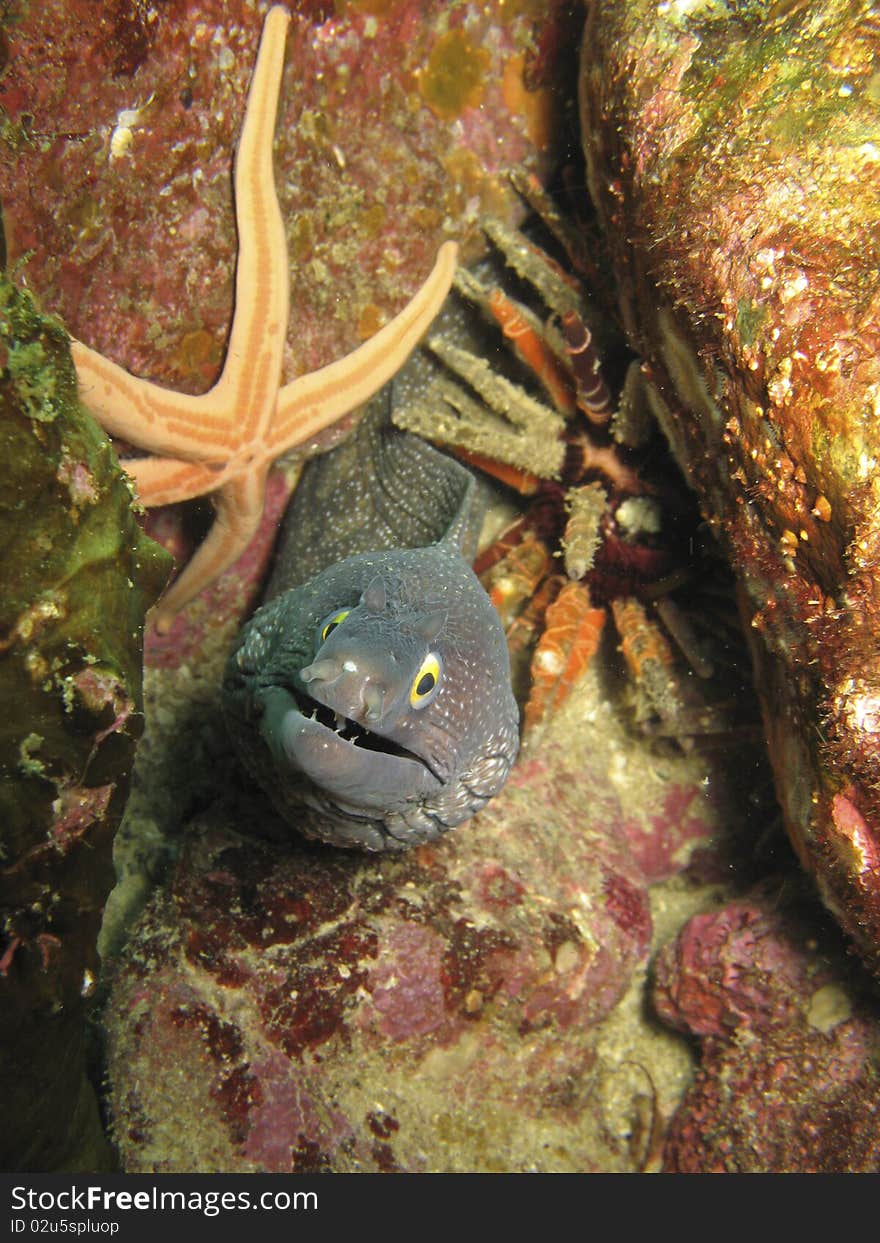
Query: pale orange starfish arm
x,y
241,403
315,401
147,414
239,509
166,480
252,370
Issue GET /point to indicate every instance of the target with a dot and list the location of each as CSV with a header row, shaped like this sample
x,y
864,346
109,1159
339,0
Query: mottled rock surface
x,y
398,125
78,577
732,157
285,1006
788,1080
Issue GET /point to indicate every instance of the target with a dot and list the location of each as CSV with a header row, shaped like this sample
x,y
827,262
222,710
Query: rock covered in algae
x,y
398,124
290,1007
120,135
788,1079
732,156
78,576
316,1011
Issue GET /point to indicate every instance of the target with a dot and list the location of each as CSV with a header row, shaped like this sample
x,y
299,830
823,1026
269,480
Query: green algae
x,y
78,576
454,77
750,319
783,73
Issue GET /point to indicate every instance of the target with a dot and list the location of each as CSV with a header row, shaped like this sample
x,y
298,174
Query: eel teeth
x,y
354,733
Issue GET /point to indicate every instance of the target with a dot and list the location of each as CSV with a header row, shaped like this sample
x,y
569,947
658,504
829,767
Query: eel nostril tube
x,y
374,701
321,671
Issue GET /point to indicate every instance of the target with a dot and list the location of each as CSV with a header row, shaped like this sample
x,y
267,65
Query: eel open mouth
x,y
351,731
357,766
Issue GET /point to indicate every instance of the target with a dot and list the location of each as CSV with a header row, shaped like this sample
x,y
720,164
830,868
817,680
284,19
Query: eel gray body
x,y
370,696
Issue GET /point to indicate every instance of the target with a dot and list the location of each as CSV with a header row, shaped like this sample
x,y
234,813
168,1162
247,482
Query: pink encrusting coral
x,y
735,968
787,1080
462,980
439,1010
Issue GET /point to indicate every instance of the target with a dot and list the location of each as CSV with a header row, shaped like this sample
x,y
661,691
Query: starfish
x,y
224,441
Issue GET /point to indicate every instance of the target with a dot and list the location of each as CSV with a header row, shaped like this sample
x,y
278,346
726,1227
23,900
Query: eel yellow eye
x,y
330,623
425,683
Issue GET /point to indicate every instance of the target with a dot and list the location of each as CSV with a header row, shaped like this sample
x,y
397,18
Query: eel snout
x,y
342,686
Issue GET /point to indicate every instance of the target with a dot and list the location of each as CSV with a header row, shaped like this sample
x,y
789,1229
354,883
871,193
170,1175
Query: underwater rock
x,y
787,1102
286,1006
788,1081
732,158
78,576
744,966
308,1009
400,123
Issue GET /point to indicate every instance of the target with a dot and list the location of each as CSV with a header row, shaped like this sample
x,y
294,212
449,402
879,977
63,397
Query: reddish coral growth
x,y
407,990
202,952
498,888
235,1089
317,11
236,1093
666,845
788,1102
79,808
309,1006
382,1124
787,1081
470,958
475,963
627,905
131,36
105,696
308,1157
738,967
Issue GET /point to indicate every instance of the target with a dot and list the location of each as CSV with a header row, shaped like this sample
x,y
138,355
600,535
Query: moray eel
x,y
370,696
